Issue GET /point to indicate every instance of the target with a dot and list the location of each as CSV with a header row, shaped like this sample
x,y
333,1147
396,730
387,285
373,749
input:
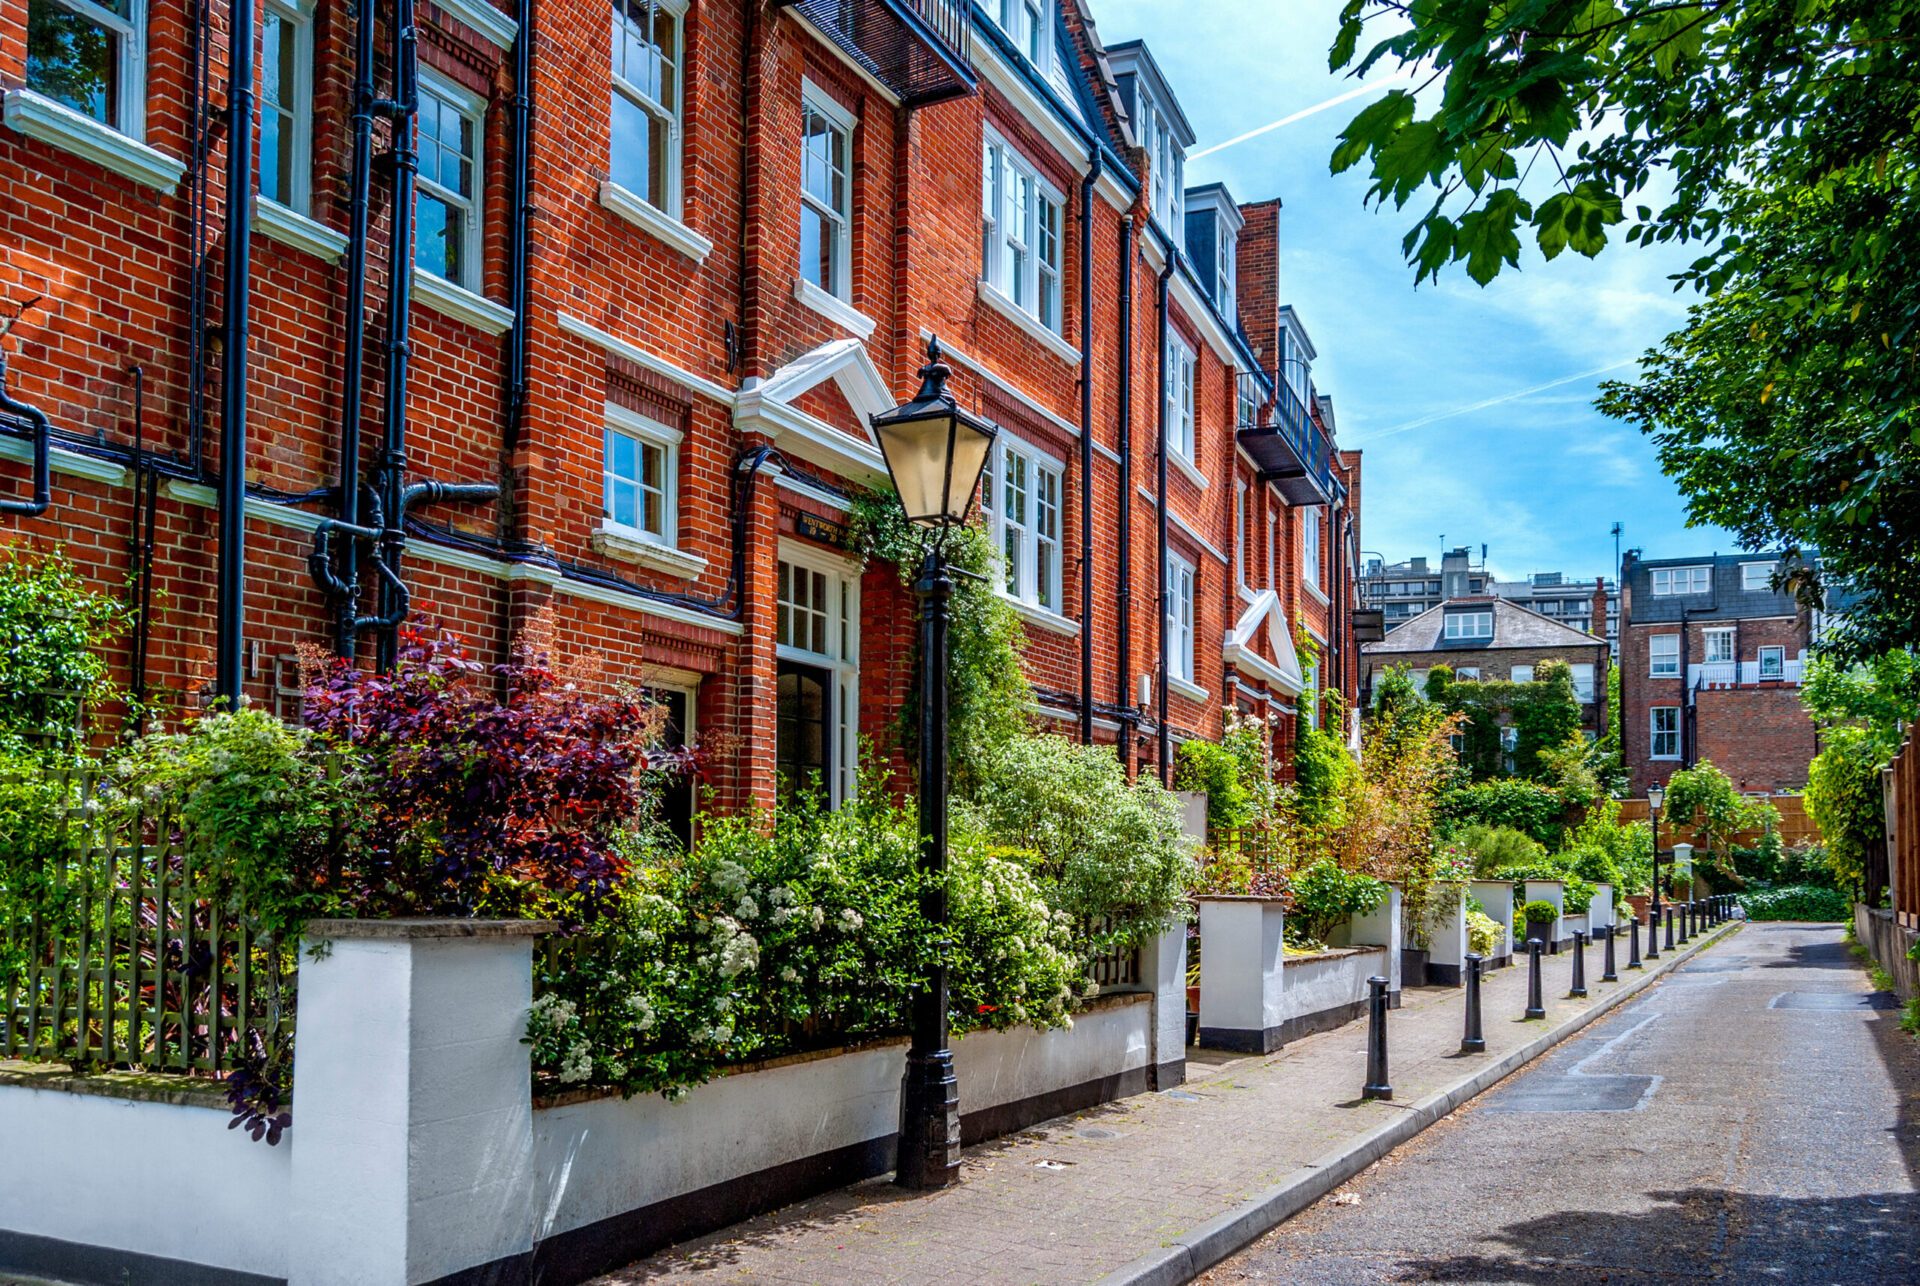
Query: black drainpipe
x,y
517,249
393,428
229,624
42,433
1165,747
1123,640
364,108
1086,447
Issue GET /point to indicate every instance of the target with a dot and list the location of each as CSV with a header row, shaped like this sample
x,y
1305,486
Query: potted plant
x,y
1539,916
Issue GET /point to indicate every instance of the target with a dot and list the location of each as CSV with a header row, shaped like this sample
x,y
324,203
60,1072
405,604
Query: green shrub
x,y
1843,799
1324,776
1519,805
1539,911
1102,847
1910,1017
1325,897
1494,847
1204,766
53,632
1796,902
1592,864
1577,895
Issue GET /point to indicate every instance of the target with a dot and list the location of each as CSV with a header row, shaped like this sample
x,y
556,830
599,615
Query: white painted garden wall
x,y
1447,935
1601,913
1496,897
1554,891
149,1180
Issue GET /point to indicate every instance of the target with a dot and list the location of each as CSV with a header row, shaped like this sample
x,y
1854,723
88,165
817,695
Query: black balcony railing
x,y
1285,442
920,49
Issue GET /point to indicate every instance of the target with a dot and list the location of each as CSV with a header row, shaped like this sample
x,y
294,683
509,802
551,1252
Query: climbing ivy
x,y
53,670
1544,714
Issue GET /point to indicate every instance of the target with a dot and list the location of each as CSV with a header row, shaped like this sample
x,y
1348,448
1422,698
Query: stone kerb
x,y
1496,899
1446,935
412,1157
1242,954
1554,891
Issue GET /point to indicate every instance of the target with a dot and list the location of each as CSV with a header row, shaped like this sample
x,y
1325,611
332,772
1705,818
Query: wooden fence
x,y
1796,827
110,956
1901,783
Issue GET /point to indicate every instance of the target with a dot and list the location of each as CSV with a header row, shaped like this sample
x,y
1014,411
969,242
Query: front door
x,y
804,757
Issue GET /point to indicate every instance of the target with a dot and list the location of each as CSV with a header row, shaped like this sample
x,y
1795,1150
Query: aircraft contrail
x,y
1493,401
1403,74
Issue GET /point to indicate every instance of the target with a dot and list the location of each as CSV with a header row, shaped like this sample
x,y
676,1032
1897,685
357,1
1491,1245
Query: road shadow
x,y
1816,955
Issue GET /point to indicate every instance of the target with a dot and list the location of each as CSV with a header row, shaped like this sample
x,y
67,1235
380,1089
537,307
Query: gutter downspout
x,y
42,448
1123,642
1164,727
393,445
352,394
229,624
517,248
1086,445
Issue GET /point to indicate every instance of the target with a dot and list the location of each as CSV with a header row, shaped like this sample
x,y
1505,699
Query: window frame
x,y
1182,598
674,113
1226,270
1040,246
1452,634
1654,575
295,16
815,101
1760,663
130,67
1766,571
1656,732
1311,524
1182,400
843,659
1584,694
473,108
1513,674
1655,654
1030,29
1030,588
1717,646
646,432
1239,533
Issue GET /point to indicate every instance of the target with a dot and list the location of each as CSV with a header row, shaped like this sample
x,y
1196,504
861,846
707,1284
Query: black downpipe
x,y
1123,640
1086,448
42,448
146,494
1162,724
229,627
361,184
517,248
403,40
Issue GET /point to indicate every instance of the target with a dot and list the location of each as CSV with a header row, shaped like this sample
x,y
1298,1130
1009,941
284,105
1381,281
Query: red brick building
x,y
1711,660
666,262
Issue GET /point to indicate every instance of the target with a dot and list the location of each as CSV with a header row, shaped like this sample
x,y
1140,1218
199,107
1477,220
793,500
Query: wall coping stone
x,y
139,1087
1330,953
415,930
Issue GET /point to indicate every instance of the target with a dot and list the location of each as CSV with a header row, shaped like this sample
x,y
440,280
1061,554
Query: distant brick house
x,y
1493,641
1711,660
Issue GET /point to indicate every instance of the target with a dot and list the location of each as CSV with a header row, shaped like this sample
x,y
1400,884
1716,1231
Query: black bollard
x,y
1579,989
1536,1006
1608,973
1474,1042
1376,1086
1653,935
1633,944
1669,927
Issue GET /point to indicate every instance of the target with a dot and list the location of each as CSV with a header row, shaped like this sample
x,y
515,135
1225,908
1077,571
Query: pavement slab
x,y
1153,1187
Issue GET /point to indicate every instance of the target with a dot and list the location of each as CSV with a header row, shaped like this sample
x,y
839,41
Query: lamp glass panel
x,y
916,452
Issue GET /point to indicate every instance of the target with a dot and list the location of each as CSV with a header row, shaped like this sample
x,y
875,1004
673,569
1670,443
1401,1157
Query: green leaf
x,y
1487,238
1372,129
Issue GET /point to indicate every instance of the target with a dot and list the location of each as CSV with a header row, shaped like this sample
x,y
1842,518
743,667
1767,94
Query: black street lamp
x,y
1656,796
935,454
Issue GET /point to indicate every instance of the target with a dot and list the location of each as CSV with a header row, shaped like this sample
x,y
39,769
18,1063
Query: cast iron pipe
x,y
365,107
1123,638
520,209
42,450
229,626
404,38
1086,447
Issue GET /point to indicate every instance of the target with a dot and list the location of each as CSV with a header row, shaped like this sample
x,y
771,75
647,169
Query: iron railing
x,y
110,955
1297,453
920,49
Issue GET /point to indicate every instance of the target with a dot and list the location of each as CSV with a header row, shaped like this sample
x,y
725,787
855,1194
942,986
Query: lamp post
x,y
935,454
1656,796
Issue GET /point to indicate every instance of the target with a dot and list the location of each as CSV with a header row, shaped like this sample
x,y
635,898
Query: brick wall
x,y
113,260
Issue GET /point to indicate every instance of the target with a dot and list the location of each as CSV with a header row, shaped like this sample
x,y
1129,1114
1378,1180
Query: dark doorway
x,y
805,738
677,789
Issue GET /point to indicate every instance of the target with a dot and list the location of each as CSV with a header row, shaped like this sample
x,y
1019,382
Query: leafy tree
x,y
1704,798
1880,695
52,667
1214,770
1843,798
1789,409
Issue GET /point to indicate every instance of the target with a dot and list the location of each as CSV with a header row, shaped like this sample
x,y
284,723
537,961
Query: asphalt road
x,y
1755,1117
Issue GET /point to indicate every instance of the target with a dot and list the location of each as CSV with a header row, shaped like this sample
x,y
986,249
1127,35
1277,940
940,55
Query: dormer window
x,y
1213,228
1027,24
1226,274
1162,131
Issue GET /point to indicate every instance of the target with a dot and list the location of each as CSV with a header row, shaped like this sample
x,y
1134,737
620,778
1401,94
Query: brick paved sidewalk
x,y
1074,1198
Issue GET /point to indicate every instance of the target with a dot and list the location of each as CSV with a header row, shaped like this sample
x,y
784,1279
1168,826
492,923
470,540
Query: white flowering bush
x,y
785,932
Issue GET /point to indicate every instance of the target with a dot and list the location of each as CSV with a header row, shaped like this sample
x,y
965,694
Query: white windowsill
x,y
833,308
995,298
461,304
55,123
483,18
663,227
1324,601
627,544
1040,617
291,228
1185,466
1191,691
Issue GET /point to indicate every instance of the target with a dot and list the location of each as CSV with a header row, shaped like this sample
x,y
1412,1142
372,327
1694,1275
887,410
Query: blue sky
x,y
1540,477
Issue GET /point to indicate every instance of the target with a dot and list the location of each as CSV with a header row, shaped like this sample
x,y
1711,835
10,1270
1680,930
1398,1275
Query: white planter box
x,y
1447,936
1327,989
1496,896
1576,924
1601,914
1381,927
1241,953
1554,891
